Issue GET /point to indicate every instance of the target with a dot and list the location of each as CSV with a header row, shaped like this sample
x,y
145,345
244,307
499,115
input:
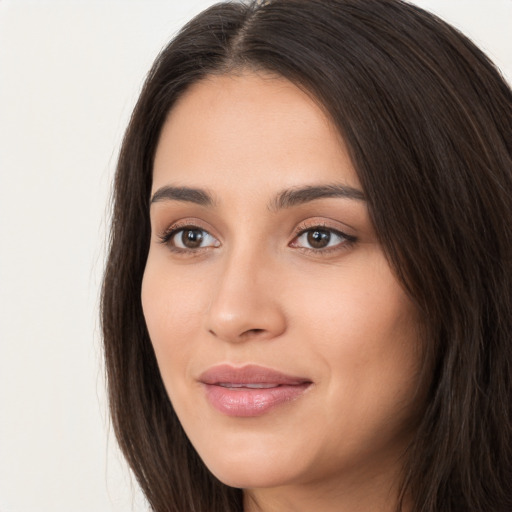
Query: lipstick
x,y
250,390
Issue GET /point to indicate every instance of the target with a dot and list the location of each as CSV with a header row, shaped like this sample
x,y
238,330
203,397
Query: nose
x,y
245,301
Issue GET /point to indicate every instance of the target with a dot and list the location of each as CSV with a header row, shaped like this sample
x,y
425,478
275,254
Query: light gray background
x,y
70,72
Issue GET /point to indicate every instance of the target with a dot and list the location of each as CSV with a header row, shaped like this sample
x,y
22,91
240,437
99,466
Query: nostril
x,y
253,331
244,334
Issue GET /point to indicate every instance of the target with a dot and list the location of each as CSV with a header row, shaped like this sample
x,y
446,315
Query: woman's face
x,y
286,344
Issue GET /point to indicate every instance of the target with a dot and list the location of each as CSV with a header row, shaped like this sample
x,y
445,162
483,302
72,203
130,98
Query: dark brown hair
x,y
427,119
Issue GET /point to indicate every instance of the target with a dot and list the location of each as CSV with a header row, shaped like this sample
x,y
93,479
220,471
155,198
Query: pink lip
x,y
250,390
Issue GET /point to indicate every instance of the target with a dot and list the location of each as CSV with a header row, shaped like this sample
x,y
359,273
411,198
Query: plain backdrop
x,y
70,72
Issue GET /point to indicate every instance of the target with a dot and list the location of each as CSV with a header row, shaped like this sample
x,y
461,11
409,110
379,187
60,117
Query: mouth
x,y
250,390
249,385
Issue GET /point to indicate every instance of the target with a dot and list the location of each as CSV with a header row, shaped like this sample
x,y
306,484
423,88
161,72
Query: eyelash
x,y
167,236
347,242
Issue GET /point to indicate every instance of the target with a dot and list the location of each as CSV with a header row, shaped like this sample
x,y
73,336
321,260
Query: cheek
x,y
366,343
172,310
361,309
365,331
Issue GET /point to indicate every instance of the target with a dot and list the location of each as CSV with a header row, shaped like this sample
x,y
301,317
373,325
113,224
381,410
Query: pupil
x,y
319,239
192,238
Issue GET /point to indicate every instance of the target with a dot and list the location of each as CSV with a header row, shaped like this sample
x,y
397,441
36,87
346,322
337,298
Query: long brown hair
x,y
427,119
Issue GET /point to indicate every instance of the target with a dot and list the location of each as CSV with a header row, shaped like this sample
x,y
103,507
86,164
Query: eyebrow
x,y
300,195
185,194
285,199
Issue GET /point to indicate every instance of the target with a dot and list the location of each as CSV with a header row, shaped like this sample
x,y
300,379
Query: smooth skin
x,y
236,274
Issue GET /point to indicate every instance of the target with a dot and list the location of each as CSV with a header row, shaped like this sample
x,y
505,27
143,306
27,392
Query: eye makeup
x,y
189,237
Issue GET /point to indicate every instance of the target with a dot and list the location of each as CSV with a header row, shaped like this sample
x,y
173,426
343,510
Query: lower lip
x,y
246,402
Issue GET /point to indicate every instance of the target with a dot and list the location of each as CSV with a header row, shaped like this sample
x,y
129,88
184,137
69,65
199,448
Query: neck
x,y
378,493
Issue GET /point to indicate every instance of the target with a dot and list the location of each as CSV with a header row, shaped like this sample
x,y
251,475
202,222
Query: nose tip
x,y
246,323
245,307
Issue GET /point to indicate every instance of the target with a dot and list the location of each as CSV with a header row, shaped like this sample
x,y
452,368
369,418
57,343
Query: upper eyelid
x,y
324,228
327,224
300,228
185,223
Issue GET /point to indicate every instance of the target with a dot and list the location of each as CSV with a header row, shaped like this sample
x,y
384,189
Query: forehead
x,y
251,129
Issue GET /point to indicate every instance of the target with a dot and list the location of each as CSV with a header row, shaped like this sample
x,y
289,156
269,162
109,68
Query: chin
x,y
252,472
248,478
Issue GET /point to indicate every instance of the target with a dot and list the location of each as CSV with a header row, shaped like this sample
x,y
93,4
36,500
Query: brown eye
x,y
318,239
190,238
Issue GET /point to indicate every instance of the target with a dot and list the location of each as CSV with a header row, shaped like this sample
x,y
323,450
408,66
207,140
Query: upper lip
x,y
249,374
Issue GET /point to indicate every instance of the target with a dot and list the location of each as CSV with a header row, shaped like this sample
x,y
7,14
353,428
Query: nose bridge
x,y
244,302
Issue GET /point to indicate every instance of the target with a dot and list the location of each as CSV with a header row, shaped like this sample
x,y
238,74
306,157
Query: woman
x,y
307,302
